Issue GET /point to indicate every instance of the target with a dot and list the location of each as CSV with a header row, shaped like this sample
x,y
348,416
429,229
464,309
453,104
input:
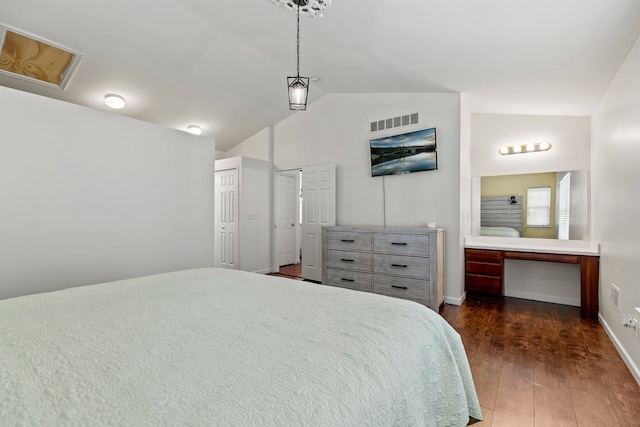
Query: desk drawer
x,y
349,240
483,268
401,244
401,265
479,255
401,287
485,284
349,279
347,260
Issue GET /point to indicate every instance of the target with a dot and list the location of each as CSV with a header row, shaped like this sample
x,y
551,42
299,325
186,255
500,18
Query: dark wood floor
x,y
293,271
540,364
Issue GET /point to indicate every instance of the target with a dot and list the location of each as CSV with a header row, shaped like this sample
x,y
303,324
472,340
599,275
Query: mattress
x,y
228,348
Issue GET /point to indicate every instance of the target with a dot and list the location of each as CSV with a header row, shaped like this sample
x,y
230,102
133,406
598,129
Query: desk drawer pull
x,y
347,240
399,244
347,280
399,265
399,287
346,260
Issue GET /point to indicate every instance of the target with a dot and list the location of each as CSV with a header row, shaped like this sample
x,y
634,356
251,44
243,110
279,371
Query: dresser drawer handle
x,y
347,240
399,287
399,265
347,280
399,244
346,260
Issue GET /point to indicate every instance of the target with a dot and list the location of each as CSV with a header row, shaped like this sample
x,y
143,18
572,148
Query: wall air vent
x,y
395,122
30,58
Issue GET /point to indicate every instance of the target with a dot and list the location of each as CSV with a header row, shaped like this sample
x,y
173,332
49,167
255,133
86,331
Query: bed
x,y
501,216
228,348
499,231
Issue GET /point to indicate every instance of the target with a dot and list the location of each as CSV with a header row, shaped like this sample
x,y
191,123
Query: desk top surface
x,y
551,246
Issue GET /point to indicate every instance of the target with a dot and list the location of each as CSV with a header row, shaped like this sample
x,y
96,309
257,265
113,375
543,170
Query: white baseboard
x,y
263,271
623,353
456,301
544,298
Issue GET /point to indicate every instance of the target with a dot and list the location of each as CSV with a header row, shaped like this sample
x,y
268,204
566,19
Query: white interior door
x,y
286,218
318,210
226,218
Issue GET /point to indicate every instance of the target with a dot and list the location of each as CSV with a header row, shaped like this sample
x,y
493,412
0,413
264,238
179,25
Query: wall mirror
x,y
549,205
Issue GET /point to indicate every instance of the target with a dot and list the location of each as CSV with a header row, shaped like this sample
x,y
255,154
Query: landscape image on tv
x,y
408,152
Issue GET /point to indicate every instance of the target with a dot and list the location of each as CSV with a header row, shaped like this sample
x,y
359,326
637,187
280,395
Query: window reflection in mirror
x,y
568,213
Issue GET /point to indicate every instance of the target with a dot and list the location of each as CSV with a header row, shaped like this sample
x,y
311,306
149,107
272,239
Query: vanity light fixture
x,y
114,101
525,148
194,129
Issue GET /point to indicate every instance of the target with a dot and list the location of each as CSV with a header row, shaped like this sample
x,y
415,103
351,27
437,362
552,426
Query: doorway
x,y
288,208
315,207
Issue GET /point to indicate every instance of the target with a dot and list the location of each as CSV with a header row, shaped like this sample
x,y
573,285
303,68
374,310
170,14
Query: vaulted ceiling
x,y
223,64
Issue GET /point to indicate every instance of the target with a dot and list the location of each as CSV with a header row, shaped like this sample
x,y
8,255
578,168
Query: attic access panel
x,y
37,60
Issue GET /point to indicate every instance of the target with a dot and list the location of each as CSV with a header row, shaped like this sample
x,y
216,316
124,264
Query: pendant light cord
x,y
298,41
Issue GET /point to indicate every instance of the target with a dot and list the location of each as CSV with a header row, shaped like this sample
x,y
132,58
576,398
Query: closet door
x,y
319,209
226,218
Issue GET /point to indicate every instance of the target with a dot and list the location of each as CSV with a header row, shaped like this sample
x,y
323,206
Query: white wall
x,y
335,129
89,196
571,141
257,146
615,175
570,138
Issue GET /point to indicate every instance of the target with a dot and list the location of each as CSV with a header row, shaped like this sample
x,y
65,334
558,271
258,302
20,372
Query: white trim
x,y
263,271
455,301
623,353
575,302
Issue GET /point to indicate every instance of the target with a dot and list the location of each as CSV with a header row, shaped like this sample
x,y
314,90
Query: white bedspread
x,y
228,348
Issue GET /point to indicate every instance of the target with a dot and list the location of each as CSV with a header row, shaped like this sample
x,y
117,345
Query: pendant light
x,y
298,86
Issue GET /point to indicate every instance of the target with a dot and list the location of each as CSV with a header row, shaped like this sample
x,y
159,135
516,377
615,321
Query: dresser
x,y
398,262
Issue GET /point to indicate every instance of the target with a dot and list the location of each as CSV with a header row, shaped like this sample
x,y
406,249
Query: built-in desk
x,y
484,264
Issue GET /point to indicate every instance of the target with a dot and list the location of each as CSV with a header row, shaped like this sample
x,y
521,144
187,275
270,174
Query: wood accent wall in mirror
x,y
568,211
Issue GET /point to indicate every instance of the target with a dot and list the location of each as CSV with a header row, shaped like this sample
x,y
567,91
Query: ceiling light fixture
x,y
525,148
194,129
313,8
298,86
114,101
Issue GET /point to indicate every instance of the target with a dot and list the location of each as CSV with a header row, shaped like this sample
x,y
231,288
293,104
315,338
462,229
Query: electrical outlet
x,y
628,321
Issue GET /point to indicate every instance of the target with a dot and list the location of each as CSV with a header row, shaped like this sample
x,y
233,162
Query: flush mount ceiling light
x,y
298,86
525,148
114,101
313,8
194,129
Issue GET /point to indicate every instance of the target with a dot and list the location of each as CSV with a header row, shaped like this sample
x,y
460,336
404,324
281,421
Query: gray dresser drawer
x,y
401,265
401,262
361,261
349,240
401,244
401,287
349,279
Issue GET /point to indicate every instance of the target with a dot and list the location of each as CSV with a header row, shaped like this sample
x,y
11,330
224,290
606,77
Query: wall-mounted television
x,y
404,153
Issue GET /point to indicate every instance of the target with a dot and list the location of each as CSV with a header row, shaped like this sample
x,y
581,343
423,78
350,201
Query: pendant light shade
x,y
298,91
298,86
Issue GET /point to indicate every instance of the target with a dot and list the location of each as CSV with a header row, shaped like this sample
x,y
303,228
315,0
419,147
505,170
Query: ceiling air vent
x,y
395,122
30,58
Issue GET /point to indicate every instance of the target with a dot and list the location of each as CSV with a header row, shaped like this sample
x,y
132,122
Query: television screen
x,y
404,153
